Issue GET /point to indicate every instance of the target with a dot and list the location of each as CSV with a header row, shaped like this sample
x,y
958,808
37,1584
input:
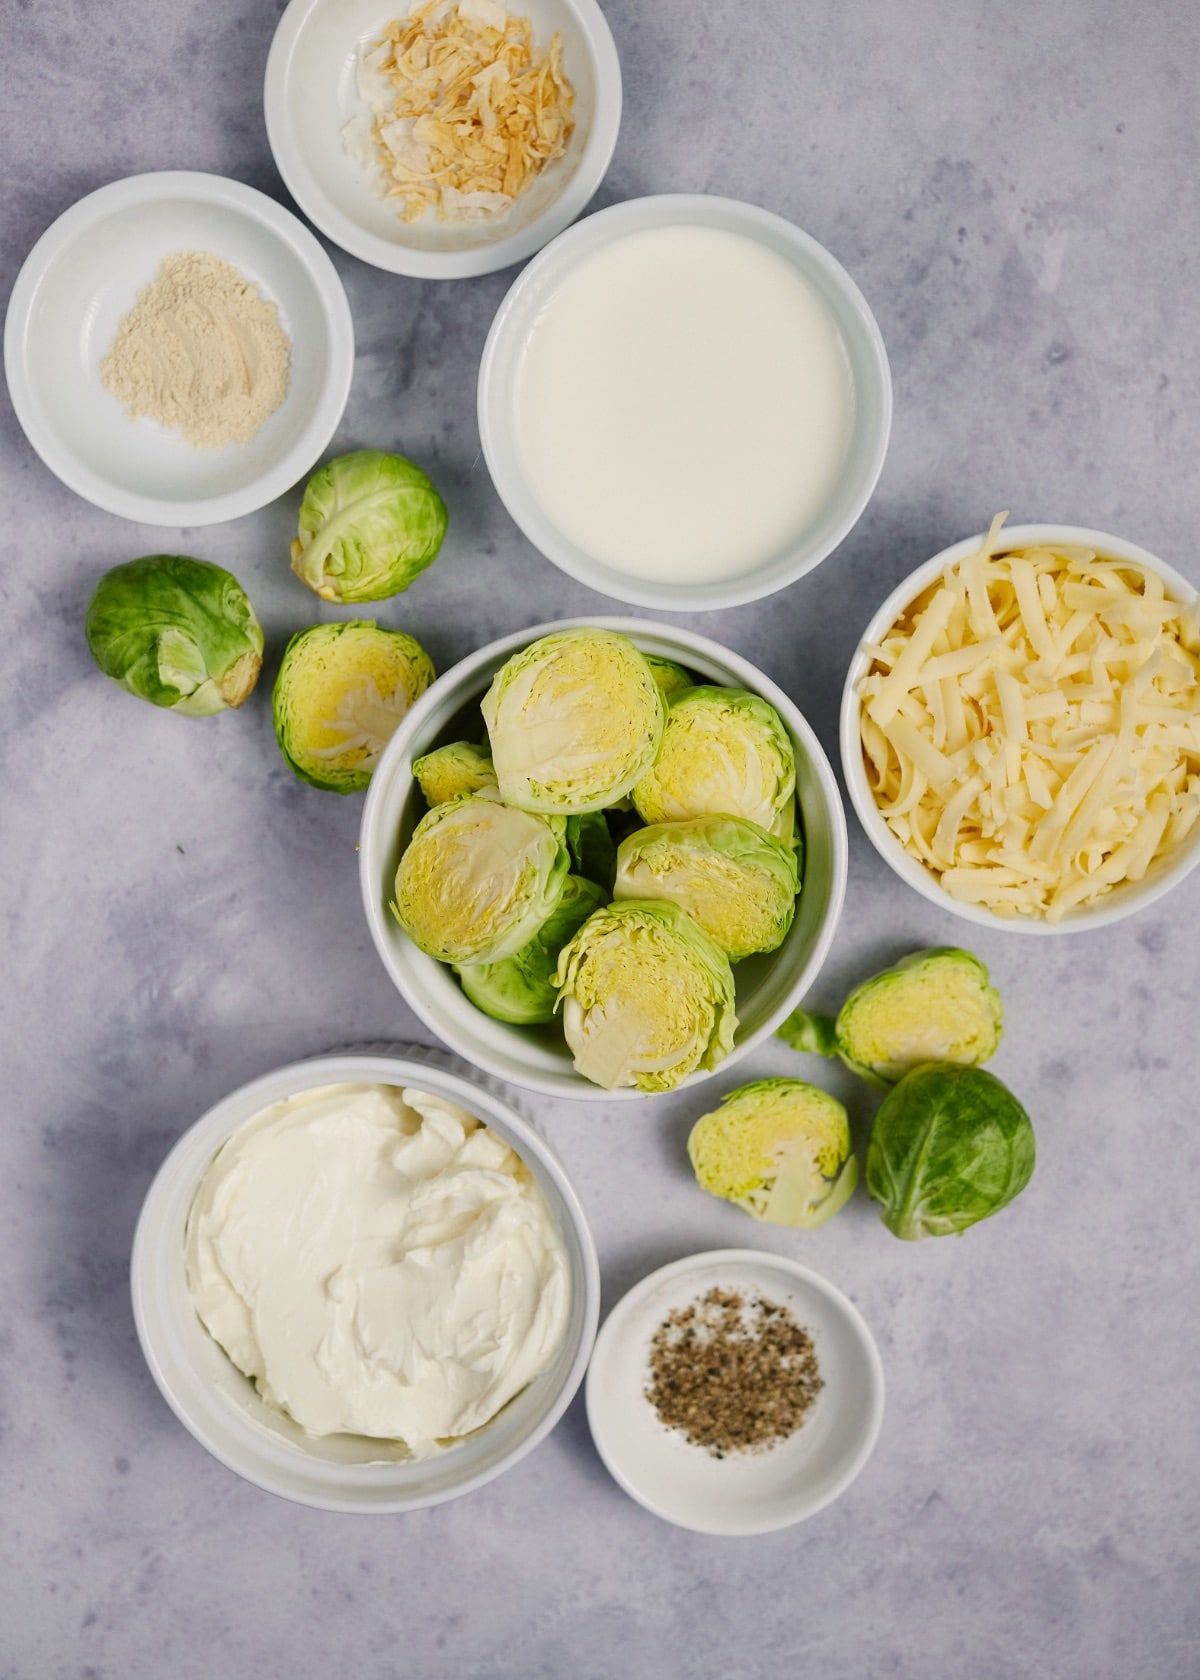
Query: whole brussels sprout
x,y
647,997
951,1145
936,1005
573,720
778,1148
736,880
178,632
724,753
370,523
521,988
340,692
478,879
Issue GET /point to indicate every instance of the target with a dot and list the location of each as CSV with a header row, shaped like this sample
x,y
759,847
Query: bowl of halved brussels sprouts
x,y
603,858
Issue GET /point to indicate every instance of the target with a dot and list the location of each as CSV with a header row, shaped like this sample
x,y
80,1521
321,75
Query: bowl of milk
x,y
685,402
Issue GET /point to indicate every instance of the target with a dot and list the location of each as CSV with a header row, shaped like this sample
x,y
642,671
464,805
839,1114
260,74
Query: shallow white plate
x,y
743,1493
311,93
85,273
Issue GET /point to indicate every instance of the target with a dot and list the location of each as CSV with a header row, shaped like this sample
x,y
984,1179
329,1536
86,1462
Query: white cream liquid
x,y
684,405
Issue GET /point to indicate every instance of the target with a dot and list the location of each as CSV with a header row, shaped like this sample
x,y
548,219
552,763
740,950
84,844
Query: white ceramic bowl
x,y
222,1409
84,274
743,1493
509,336
768,987
1113,906
311,93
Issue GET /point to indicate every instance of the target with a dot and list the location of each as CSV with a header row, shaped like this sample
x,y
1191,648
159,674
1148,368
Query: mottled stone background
x,y
1014,188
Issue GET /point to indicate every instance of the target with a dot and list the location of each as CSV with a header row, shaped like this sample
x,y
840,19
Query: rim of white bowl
x,y
276,1465
374,845
443,265
212,189
617,1325
494,399
1115,906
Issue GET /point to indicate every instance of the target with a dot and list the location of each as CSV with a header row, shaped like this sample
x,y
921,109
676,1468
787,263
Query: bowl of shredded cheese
x,y
1020,728
442,138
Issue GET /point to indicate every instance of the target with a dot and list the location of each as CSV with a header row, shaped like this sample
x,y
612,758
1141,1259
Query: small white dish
x,y
1114,906
311,93
869,376
768,987
222,1408
742,1493
85,273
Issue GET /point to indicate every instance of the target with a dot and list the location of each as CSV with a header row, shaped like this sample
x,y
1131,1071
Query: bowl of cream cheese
x,y
365,1283
684,402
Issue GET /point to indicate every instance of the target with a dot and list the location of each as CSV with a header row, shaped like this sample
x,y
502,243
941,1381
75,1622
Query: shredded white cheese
x,y
1031,726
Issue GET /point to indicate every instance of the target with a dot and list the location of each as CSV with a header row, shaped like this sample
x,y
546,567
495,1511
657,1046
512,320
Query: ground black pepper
x,y
732,1375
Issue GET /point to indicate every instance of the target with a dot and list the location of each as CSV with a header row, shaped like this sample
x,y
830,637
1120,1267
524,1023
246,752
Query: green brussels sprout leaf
x,y
815,1034
593,854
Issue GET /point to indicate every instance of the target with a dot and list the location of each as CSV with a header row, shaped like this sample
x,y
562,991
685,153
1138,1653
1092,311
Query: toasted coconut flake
x,y
465,110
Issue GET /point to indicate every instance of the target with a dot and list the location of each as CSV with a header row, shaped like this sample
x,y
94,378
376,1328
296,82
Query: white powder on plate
x,y
201,352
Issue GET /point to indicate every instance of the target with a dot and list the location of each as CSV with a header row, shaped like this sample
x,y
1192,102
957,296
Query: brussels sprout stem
x,y
843,1188
236,683
816,1034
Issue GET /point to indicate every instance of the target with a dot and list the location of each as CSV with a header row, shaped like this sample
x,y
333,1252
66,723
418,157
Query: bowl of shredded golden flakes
x,y
1020,728
446,138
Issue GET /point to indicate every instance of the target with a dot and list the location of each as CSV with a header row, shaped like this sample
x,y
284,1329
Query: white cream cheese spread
x,y
379,1263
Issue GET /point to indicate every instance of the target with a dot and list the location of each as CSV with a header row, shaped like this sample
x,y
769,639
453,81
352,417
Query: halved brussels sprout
x,y
340,692
736,880
724,753
521,989
778,1148
574,720
933,1006
671,678
370,523
478,879
178,632
447,772
950,1146
647,997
